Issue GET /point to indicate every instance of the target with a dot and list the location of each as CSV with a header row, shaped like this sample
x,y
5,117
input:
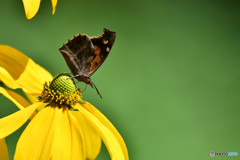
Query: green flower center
x,y
63,84
61,90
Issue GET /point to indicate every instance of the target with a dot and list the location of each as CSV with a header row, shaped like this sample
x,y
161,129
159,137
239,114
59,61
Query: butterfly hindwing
x,y
102,45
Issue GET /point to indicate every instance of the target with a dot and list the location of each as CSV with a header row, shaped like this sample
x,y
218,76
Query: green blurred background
x,y
171,82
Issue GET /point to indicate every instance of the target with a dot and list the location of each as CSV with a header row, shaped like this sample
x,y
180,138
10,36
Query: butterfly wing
x,y
78,54
85,55
102,46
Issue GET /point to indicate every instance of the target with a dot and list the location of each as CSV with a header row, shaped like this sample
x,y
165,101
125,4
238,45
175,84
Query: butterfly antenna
x,y
85,88
97,90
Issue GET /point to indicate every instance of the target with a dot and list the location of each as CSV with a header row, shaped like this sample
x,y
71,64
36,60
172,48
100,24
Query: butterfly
x,y
84,54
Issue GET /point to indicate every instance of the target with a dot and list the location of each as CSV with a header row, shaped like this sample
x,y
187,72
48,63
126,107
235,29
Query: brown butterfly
x,y
84,55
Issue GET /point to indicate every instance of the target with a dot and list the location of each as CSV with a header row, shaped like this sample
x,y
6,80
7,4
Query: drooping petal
x,y
58,142
54,3
110,136
48,136
91,138
32,140
15,98
31,7
78,139
19,71
3,150
14,121
109,125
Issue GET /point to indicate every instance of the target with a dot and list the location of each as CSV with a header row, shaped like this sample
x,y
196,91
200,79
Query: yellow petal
x,y
18,100
32,140
32,98
14,121
15,98
47,136
3,150
19,71
78,143
31,7
54,3
92,140
58,142
110,136
109,125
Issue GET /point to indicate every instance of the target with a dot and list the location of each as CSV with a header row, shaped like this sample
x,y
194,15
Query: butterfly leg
x,y
74,76
68,72
94,86
84,88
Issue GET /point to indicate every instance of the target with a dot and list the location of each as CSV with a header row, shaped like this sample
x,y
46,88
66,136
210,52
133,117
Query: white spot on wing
x,y
105,41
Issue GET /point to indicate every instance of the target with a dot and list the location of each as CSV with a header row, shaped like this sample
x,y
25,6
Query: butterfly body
x,y
84,55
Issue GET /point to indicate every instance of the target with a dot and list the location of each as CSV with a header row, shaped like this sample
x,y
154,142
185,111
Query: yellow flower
x,y
31,7
65,127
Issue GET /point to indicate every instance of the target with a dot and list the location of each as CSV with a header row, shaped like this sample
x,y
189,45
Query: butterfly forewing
x,y
78,54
